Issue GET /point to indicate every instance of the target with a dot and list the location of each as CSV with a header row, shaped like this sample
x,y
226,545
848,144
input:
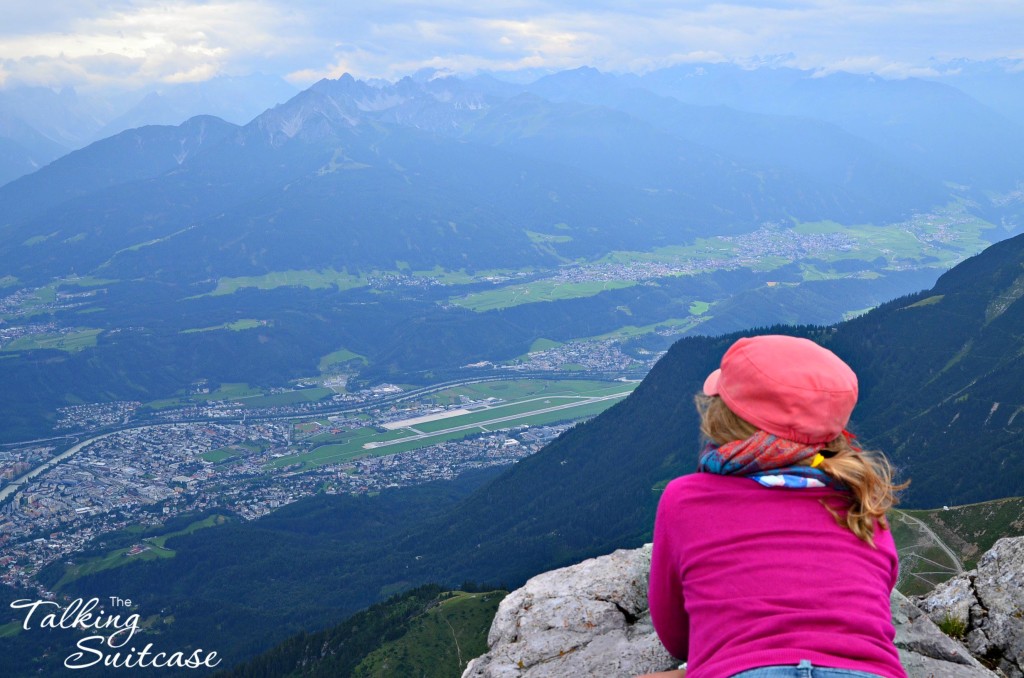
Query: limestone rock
x,y
952,599
919,666
927,651
994,597
590,619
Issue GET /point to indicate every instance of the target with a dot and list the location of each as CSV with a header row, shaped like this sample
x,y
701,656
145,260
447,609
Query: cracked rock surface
x,y
925,651
990,602
591,619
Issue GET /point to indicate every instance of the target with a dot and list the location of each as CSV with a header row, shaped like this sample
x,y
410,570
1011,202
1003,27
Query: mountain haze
x,y
467,173
38,125
406,202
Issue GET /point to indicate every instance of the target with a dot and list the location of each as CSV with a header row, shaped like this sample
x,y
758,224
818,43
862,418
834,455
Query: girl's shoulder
x,y
709,489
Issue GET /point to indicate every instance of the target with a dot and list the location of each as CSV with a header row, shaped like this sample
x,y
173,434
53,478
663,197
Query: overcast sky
x,y
132,43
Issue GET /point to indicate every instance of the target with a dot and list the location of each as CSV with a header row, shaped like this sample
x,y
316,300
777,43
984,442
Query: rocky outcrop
x,y
988,604
591,619
927,652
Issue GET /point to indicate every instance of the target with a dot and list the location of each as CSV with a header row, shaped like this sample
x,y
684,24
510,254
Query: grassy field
x,y
338,454
339,357
440,642
699,307
38,239
950,235
972,529
629,331
223,454
120,557
461,277
76,340
245,395
307,427
234,326
546,238
229,391
923,562
539,290
302,395
208,521
342,281
359,436
500,411
301,278
219,455
935,240
543,345
86,281
148,243
967,531
516,411
115,558
521,389
929,301
10,629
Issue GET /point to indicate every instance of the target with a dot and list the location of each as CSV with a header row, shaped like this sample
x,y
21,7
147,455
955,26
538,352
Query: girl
x,y
775,559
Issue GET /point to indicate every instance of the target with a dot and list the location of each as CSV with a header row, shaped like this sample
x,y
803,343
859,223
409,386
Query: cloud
x,y
130,44
127,43
894,38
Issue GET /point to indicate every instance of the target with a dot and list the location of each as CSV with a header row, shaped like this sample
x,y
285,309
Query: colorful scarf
x,y
768,459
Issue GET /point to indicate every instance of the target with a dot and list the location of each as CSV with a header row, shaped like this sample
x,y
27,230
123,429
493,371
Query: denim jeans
x,y
803,670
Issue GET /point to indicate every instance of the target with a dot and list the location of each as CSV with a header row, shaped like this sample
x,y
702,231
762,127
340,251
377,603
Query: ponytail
x,y
867,474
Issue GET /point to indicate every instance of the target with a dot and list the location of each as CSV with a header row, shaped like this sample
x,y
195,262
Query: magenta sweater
x,y
744,576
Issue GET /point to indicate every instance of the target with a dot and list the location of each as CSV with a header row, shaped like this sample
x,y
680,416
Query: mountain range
x,y
468,169
39,125
174,228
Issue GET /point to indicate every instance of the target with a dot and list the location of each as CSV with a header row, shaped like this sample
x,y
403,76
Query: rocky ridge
x,y
592,619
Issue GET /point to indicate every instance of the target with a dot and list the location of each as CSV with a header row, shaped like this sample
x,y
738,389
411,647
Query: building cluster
x,y
9,334
33,299
17,462
233,409
92,416
590,356
334,425
147,474
775,240
942,227
122,479
389,281
443,461
637,271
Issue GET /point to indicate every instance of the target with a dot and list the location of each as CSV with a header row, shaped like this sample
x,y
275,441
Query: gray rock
x,y
924,649
952,599
919,666
993,596
591,619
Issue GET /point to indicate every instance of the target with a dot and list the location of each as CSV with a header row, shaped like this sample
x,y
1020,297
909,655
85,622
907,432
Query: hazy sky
x,y
129,43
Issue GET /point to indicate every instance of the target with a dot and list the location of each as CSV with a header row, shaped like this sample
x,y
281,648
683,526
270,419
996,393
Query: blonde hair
x,y
868,474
